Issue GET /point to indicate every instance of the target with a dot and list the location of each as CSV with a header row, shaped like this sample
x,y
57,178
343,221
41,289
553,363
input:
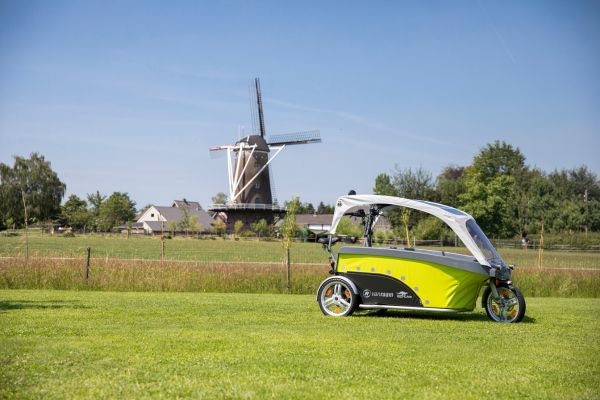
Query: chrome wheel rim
x,y
336,299
505,308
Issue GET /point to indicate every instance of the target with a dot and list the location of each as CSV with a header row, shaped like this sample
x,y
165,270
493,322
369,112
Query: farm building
x,y
317,224
157,219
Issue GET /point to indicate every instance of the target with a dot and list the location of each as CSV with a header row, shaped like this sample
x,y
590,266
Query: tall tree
x,y
219,227
184,223
450,184
537,204
497,159
289,229
323,208
408,183
29,191
303,208
219,198
577,190
116,210
95,200
261,227
237,226
417,184
75,213
384,186
495,185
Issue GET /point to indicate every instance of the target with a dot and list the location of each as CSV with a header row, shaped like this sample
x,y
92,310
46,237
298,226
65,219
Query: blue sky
x,y
128,95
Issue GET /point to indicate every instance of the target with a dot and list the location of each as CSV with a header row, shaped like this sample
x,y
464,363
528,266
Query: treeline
x,y
309,208
506,196
31,193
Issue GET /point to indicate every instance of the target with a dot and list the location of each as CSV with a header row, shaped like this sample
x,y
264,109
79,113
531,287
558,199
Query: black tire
x,y
511,306
336,298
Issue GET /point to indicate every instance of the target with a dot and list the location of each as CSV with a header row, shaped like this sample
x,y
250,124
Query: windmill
x,y
248,164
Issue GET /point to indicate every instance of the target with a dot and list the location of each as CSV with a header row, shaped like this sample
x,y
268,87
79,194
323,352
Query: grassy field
x,y
121,264
144,275
69,344
219,250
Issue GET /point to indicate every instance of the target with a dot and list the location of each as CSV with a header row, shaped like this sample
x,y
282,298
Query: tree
x,y
416,184
219,198
406,183
306,208
75,213
261,227
349,228
95,200
496,186
489,203
184,223
116,210
384,186
29,191
450,184
220,227
323,208
303,208
172,227
537,204
577,190
289,229
405,217
237,227
497,159
195,225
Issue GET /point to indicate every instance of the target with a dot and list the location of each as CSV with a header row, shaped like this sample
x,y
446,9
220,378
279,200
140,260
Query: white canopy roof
x,y
454,218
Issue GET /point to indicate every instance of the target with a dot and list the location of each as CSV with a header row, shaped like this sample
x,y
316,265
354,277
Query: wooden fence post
x,y
288,282
87,264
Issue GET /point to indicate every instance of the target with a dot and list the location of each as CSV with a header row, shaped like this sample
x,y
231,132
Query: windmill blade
x,y
216,151
295,138
255,130
261,117
217,148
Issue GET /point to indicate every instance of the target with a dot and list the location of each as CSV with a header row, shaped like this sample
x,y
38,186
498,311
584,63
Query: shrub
x,y
432,228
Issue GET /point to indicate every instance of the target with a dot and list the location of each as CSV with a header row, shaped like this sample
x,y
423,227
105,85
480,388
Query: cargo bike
x,y
382,278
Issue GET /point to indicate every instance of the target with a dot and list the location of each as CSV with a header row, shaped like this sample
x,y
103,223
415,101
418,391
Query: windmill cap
x,y
259,141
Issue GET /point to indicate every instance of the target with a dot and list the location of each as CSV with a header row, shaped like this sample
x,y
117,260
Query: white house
x,y
156,219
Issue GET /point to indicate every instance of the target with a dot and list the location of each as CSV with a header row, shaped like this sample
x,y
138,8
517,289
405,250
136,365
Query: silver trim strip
x,y
379,307
459,261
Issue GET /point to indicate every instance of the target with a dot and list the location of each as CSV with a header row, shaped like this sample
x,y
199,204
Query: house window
x,y
152,215
257,185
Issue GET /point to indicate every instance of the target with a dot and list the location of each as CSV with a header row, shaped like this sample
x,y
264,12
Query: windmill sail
x,y
295,138
261,117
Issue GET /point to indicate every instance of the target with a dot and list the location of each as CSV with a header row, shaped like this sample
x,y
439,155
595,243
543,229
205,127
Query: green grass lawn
x,y
81,344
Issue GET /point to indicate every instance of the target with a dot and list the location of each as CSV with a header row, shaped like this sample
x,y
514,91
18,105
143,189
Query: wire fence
x,y
211,249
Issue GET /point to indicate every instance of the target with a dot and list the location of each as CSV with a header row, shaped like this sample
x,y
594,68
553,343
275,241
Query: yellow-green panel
x,y
437,285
